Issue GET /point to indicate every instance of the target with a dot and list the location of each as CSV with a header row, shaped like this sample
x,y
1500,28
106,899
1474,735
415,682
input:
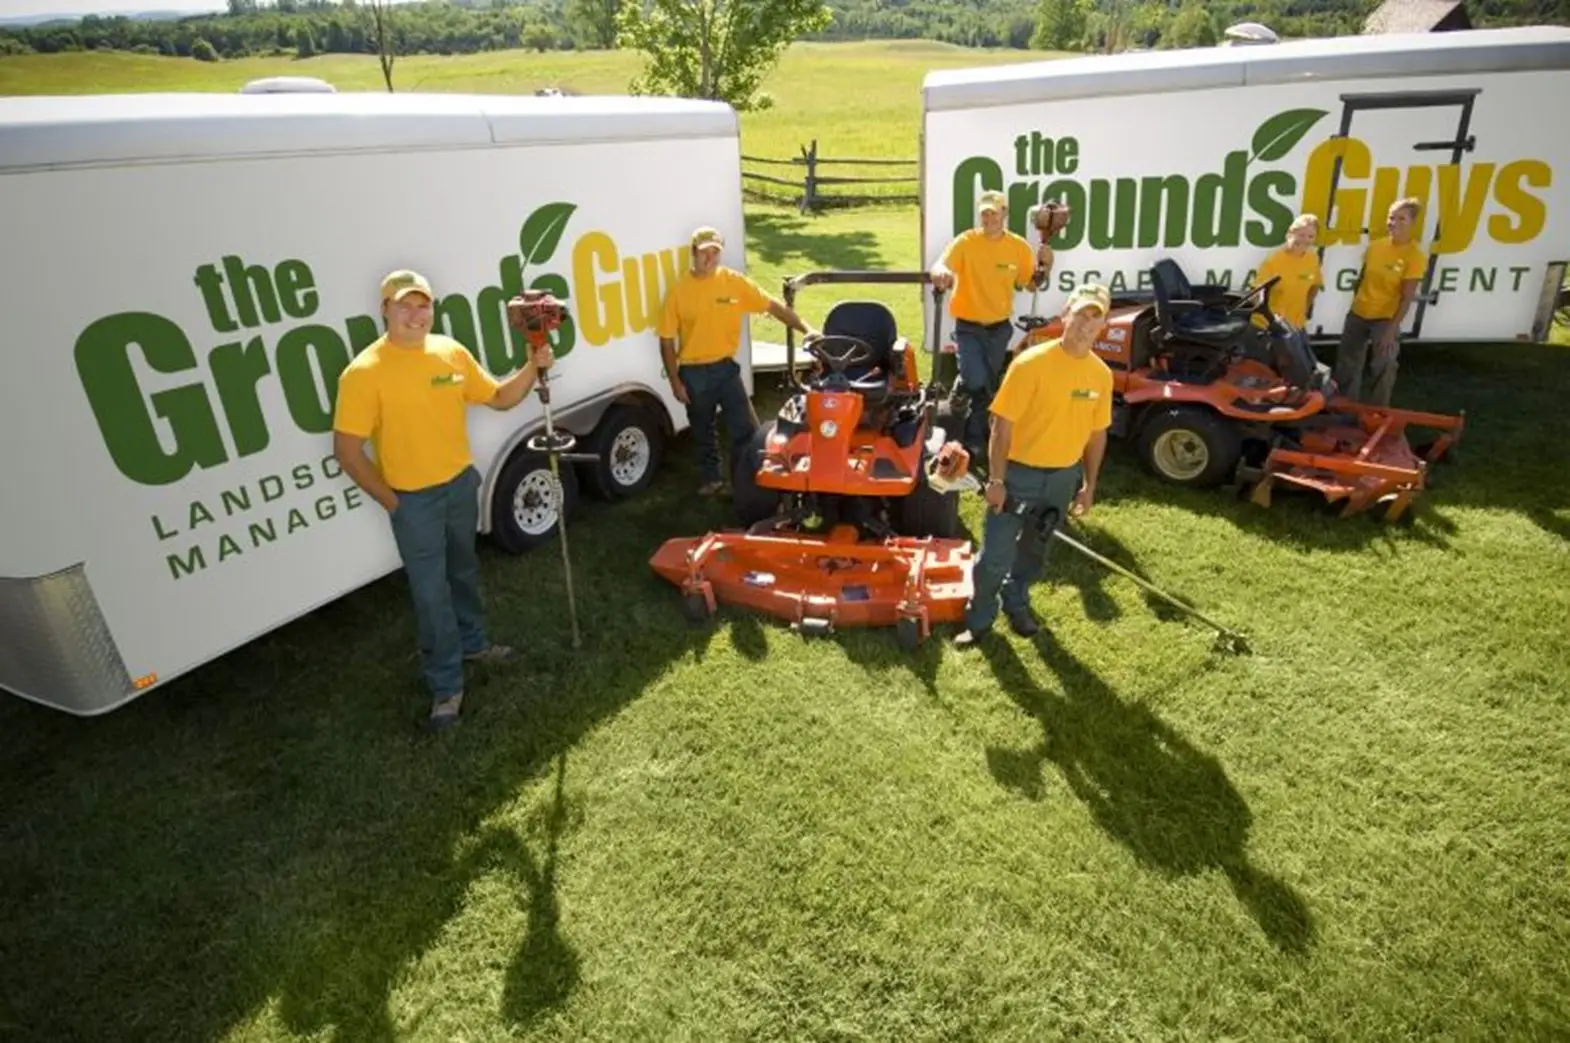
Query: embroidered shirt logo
x,y
445,379
1089,394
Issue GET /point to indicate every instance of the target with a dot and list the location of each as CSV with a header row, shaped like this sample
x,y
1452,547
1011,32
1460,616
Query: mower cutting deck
x,y
849,499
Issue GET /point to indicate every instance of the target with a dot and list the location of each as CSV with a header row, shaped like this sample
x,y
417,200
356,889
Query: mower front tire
x,y
528,502
1187,446
752,502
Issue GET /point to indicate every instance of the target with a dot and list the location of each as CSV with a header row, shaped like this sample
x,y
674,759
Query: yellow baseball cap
x,y
707,237
1088,294
402,282
991,201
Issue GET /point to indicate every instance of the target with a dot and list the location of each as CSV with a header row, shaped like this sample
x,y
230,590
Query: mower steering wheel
x,y
1259,292
853,351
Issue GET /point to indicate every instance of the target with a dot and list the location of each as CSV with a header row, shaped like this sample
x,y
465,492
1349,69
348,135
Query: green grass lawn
x,y
679,833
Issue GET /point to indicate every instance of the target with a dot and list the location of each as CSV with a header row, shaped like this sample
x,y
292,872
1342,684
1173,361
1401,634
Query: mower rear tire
x,y
927,512
752,502
527,504
1192,447
629,443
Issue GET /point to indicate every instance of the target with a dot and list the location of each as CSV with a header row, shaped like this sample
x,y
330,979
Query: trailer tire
x,y
524,511
629,443
1189,447
752,503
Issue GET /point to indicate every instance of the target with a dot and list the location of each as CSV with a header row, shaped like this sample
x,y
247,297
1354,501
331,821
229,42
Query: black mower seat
x,y
870,321
1182,315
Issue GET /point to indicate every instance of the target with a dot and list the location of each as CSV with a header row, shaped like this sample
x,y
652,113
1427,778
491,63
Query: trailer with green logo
x,y
1205,156
189,274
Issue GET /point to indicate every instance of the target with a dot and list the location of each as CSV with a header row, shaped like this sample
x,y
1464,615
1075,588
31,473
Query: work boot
x,y
444,712
970,638
1023,622
492,654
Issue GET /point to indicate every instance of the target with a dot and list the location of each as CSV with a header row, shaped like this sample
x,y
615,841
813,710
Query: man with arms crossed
x,y
699,331
989,264
408,393
1049,432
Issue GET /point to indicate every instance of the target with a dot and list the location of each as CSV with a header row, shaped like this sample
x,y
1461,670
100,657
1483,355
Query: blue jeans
x,y
435,529
982,355
711,387
1014,545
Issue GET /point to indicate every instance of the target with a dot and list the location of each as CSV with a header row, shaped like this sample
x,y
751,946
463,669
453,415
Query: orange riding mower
x,y
1211,398
849,497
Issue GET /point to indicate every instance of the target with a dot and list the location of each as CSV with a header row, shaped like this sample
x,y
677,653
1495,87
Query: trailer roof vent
x,y
288,85
1246,33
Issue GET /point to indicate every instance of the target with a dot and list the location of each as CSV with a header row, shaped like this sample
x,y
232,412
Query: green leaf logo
x,y
542,232
1278,134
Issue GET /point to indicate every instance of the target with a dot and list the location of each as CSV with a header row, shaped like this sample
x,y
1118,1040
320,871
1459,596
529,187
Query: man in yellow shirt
x,y
407,394
1292,299
986,265
1393,269
1049,433
699,331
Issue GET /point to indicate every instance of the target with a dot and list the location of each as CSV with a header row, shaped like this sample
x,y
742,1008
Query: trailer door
x,y
1411,132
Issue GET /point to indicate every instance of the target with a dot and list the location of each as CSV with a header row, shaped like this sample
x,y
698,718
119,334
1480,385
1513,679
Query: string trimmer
x,y
537,313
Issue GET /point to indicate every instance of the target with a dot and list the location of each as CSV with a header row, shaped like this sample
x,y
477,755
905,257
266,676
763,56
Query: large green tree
x,y
719,50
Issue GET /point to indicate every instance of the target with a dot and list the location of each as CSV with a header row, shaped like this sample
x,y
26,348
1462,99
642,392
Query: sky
x,y
23,8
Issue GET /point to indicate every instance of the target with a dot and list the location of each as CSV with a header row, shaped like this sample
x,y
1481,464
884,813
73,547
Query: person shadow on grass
x,y
1146,786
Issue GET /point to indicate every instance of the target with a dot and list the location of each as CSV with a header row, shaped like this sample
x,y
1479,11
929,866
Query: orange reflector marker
x,y
145,682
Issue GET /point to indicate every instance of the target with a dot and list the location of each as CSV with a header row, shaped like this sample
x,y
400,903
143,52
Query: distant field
x,y
860,99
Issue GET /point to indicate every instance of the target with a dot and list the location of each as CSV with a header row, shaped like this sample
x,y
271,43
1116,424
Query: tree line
x,y
716,49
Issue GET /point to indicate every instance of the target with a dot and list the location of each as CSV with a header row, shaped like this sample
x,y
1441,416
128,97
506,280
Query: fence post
x,y
809,195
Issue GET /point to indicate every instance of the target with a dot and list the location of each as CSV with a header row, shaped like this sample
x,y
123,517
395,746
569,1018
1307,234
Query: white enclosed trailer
x,y
188,275
1206,155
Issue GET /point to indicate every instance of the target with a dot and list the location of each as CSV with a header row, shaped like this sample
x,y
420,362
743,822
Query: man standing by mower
x,y
699,331
988,264
1393,268
1049,432
407,394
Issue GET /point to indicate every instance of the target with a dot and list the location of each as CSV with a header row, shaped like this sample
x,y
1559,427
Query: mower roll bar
x,y
840,278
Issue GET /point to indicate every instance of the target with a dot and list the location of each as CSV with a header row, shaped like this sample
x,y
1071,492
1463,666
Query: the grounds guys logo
x,y
1250,198
169,411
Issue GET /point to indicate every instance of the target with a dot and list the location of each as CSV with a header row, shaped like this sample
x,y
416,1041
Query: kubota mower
x,y
1212,399
849,498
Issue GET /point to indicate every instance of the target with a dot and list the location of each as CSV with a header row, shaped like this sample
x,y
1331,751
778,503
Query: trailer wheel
x,y
629,444
752,503
1187,446
908,632
528,501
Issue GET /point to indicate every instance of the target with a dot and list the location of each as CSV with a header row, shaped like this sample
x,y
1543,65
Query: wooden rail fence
x,y
811,183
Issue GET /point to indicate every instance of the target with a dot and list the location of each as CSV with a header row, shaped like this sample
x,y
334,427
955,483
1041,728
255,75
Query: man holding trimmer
x,y
1049,432
988,264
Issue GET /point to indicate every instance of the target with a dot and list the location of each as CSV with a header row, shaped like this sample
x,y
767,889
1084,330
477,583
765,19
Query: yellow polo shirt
x,y
1289,297
704,315
412,405
1385,267
1055,402
987,273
